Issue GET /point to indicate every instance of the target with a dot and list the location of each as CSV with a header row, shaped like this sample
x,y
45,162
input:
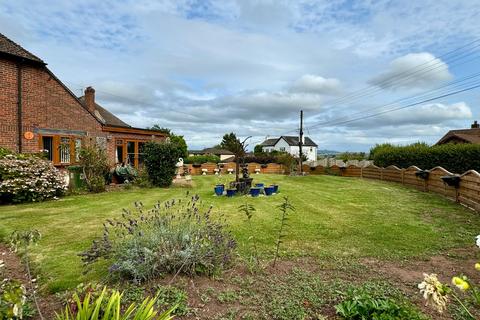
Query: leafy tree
x,y
181,144
174,139
231,143
158,128
258,150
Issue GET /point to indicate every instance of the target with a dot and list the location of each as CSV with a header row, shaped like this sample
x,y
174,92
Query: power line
x,y
409,105
425,94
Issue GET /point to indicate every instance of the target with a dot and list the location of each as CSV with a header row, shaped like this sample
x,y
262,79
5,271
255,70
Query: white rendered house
x,y
289,144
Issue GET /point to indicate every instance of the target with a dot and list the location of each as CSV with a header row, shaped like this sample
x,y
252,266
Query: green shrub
x,y
361,304
28,179
160,160
109,306
95,167
202,159
12,299
456,158
177,236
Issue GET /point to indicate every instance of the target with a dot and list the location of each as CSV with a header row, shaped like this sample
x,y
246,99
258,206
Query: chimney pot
x,y
475,125
90,99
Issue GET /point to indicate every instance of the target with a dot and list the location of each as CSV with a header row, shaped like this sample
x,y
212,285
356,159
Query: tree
x,y
181,144
156,127
177,140
231,143
258,150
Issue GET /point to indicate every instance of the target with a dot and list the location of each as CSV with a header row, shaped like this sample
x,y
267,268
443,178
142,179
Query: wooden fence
x,y
467,192
229,168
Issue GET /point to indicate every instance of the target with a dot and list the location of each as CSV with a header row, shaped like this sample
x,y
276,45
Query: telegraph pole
x,y
300,142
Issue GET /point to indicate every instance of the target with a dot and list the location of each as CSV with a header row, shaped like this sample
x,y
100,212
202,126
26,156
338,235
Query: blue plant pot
x,y
275,188
259,185
269,190
219,190
255,192
231,192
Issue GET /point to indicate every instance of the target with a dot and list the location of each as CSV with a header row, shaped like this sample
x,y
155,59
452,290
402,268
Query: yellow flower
x,y
460,283
477,266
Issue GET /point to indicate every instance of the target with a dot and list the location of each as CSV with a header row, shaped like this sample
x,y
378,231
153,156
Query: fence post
x,y
403,176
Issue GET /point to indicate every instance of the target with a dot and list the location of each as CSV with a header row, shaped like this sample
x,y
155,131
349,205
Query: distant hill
x,y
325,152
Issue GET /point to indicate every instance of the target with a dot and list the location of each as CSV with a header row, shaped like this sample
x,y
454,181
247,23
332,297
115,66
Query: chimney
x,y
90,99
475,125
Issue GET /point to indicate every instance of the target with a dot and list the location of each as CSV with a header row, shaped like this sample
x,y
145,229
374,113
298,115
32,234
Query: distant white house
x,y
290,144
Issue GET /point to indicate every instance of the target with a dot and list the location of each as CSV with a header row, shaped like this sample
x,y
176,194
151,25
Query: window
x,y
282,148
47,146
130,151
61,150
119,151
65,149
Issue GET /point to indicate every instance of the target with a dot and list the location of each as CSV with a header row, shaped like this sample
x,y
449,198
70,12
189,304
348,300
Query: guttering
x,y
133,130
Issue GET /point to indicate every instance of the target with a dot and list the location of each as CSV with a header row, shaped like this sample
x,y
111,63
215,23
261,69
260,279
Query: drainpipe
x,y
19,106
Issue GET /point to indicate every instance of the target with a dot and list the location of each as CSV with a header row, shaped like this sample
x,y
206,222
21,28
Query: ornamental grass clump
x,y
29,179
176,236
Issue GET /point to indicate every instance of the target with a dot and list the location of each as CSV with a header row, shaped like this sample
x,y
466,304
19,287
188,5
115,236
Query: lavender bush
x,y
173,237
27,179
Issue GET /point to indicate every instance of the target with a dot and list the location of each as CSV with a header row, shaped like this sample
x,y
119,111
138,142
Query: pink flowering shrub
x,y
28,179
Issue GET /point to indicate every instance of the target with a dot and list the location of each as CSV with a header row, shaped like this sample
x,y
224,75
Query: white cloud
x,y
205,67
414,70
316,84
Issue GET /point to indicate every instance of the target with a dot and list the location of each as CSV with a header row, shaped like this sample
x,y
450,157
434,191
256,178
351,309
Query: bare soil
x,y
203,292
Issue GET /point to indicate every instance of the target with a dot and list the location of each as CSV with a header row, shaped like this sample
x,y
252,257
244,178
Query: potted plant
x,y
452,181
255,192
269,190
219,188
422,174
231,192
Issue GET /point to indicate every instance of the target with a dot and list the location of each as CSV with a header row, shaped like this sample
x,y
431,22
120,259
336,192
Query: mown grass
x,y
341,218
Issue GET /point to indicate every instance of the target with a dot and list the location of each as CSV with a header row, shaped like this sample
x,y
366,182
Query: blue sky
x,y
203,68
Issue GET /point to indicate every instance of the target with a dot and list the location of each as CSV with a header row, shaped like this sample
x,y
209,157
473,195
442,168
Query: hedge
x,y
160,160
202,159
456,158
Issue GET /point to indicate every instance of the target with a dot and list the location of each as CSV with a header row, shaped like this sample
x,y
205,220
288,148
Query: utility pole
x,y
300,142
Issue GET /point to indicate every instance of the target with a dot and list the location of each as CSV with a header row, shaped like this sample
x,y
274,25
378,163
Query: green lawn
x,y
336,217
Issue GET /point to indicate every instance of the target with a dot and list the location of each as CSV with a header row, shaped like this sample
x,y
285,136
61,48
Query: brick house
x,y
38,112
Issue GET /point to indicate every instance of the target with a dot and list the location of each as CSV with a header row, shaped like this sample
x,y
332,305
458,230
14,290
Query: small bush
x,y
28,179
361,304
95,167
202,159
456,158
160,161
173,237
12,299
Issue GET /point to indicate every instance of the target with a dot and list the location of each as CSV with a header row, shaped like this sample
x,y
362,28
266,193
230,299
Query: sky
x,y
205,68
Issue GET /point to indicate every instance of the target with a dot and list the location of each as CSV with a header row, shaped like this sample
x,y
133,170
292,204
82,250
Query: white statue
x,y
179,166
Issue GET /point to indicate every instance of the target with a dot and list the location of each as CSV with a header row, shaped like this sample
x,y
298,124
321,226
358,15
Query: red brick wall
x,y
46,104
8,105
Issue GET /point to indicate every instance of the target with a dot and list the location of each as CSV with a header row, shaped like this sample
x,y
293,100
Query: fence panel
x,y
352,171
411,179
469,189
436,184
393,173
372,172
